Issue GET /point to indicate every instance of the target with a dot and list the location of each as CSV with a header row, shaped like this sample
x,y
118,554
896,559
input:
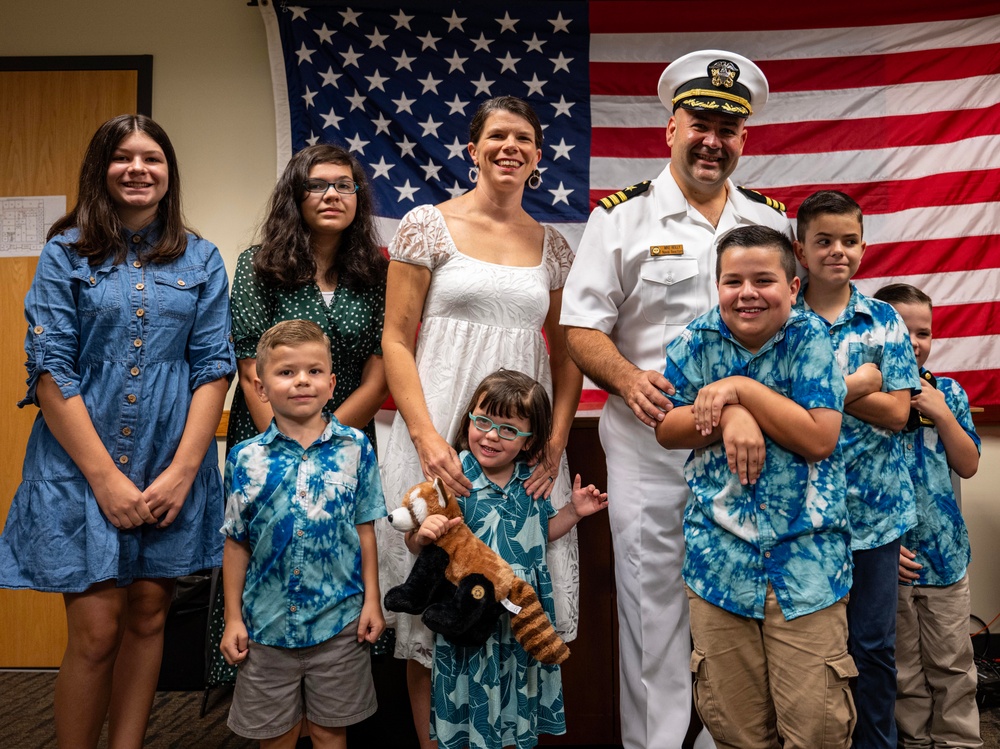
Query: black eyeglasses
x,y
320,186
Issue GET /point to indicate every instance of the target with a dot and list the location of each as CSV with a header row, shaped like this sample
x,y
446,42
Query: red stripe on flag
x,y
901,131
891,196
964,320
980,385
658,17
825,136
819,74
930,256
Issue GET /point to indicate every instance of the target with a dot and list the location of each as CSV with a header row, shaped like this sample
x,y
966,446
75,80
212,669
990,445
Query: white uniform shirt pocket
x,y
669,290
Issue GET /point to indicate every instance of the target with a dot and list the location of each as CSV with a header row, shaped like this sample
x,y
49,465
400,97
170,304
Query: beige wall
x,y
982,514
212,93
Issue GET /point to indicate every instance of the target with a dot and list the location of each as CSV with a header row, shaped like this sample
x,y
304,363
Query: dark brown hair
x,y
95,215
757,236
285,257
510,104
290,333
507,393
902,293
826,203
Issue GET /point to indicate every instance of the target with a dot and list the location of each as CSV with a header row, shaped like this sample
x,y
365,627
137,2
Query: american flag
x,y
896,103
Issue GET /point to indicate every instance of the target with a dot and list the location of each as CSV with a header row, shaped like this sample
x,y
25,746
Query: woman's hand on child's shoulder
x,y
587,500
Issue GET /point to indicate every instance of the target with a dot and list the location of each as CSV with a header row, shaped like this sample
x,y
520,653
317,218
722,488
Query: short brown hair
x,y
290,333
902,293
511,104
757,236
507,393
826,203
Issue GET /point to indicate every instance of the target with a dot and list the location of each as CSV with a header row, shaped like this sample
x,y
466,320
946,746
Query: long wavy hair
x,y
285,257
95,215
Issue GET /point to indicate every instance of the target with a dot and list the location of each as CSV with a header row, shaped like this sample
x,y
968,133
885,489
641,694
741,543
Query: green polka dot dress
x,y
353,320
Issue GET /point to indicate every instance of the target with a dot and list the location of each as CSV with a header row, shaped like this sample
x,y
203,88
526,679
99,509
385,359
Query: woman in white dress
x,y
481,279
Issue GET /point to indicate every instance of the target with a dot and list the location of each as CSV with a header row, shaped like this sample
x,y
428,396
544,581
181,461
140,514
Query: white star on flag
x,y
507,23
560,195
350,17
357,145
381,169
406,192
330,119
305,54
325,34
455,22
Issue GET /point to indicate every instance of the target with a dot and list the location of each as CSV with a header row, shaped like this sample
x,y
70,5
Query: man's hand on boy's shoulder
x,y
644,394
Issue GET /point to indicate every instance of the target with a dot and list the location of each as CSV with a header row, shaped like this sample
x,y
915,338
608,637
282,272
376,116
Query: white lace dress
x,y
477,318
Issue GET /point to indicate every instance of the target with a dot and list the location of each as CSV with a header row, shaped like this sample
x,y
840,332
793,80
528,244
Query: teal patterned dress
x,y
498,695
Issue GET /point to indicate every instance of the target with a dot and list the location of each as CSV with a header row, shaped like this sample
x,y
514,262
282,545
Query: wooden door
x,y
47,117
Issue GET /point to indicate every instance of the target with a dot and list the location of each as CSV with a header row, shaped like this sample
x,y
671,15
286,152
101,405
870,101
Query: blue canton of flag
x,y
398,87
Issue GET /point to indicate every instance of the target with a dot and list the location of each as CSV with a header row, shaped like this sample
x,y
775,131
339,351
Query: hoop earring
x,y
535,180
473,174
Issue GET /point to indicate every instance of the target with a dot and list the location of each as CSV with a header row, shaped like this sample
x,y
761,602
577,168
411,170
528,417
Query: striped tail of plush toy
x,y
532,628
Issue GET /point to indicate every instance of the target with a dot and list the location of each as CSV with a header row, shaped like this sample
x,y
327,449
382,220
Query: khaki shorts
x,y
330,682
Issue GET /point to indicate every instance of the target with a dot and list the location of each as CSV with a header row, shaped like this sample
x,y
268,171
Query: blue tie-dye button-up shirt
x,y
299,508
879,492
790,529
940,539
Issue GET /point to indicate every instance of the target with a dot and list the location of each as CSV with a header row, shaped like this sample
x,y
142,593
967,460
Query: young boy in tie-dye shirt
x,y
758,396
936,676
300,567
877,361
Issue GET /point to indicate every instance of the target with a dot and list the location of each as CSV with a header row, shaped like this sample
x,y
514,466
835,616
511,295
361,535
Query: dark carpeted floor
x,y
26,718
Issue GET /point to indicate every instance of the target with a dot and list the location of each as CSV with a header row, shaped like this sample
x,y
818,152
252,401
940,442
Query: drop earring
x,y
535,180
474,173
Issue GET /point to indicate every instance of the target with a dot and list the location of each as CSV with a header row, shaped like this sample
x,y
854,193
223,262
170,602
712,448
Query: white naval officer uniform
x,y
643,271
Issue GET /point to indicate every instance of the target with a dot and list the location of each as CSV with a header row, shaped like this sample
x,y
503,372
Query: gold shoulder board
x,y
758,198
622,195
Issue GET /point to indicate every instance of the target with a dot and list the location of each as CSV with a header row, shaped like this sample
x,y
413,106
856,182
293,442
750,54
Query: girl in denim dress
x,y
129,361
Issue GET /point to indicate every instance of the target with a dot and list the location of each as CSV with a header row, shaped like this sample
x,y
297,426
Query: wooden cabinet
x,y
590,676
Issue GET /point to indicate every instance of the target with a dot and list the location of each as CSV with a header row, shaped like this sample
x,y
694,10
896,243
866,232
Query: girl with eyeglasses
x,y
481,279
319,260
481,696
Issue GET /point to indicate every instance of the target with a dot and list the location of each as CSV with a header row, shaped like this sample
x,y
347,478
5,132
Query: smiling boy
x,y
877,361
758,396
300,566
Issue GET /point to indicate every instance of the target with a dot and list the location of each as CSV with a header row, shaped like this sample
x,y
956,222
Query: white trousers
x,y
647,494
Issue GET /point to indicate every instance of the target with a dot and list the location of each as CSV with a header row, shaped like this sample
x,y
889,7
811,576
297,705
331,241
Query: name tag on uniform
x,y
666,249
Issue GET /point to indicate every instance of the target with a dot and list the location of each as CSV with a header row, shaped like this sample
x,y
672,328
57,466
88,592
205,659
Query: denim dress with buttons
x,y
135,340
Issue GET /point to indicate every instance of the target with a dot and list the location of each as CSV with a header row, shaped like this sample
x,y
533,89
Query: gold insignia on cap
x,y
723,73
666,249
